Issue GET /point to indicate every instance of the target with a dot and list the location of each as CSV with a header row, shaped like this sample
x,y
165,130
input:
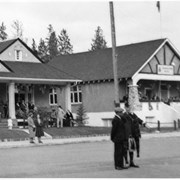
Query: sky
x,y
135,21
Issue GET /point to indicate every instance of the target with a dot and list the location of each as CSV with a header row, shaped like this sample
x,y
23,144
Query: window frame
x,y
76,92
53,94
18,55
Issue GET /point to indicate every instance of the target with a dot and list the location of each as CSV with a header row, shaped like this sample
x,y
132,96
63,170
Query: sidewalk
x,y
50,141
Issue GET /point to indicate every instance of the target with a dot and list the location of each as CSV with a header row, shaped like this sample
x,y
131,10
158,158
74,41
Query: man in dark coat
x,y
133,131
118,138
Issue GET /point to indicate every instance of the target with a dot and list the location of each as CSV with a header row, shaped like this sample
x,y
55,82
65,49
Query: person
x,y
132,134
68,119
31,106
118,138
53,118
60,116
5,107
31,127
23,106
39,128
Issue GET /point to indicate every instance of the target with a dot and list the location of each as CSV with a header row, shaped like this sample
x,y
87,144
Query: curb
x,y
14,144
58,140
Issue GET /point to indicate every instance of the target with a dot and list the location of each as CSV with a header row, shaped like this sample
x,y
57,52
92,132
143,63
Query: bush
x,y
45,113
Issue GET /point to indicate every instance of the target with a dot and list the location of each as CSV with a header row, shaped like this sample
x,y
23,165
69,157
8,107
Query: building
x,y
148,72
23,77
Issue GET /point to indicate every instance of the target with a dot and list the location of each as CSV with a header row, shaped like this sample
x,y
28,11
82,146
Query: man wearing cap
x,y
132,131
118,138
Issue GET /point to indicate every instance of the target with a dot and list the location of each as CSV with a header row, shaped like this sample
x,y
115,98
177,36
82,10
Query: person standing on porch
x,y
60,116
31,127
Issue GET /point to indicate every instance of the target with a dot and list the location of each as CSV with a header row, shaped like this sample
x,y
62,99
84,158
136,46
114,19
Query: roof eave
x,y
36,80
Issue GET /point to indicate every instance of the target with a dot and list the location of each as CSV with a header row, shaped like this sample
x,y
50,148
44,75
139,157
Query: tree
x,y
43,51
18,27
81,115
65,46
53,45
52,42
98,41
3,34
34,47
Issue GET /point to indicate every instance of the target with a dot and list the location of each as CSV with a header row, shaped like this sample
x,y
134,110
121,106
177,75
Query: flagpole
x,y
160,23
160,15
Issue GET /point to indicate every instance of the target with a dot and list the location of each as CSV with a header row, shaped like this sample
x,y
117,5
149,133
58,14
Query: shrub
x,y
44,114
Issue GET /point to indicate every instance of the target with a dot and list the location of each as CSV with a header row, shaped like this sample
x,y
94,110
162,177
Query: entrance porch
x,y
17,97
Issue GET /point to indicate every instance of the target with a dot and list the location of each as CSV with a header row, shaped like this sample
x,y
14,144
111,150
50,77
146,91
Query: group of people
x,y
35,126
22,108
35,122
125,134
60,118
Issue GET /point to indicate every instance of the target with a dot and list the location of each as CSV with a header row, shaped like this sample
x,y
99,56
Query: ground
x,y
159,159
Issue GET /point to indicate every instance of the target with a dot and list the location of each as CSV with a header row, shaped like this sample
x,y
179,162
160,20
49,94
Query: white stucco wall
x,y
160,112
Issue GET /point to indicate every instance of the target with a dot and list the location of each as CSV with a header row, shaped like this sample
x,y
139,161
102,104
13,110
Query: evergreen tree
x,y
3,34
43,51
98,41
34,47
53,45
81,115
52,42
65,46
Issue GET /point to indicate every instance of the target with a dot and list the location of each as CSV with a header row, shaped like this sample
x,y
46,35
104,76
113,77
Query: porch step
x,y
3,120
3,123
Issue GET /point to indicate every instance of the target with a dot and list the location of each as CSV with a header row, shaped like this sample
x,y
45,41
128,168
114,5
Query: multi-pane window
x,y
52,96
18,55
76,94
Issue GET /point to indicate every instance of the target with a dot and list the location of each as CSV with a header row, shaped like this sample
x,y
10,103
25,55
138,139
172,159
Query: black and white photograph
x,y
89,89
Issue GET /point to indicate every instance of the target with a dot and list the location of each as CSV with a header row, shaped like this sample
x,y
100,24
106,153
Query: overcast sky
x,y
135,21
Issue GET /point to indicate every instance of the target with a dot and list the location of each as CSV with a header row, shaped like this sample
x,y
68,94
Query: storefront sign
x,y
165,69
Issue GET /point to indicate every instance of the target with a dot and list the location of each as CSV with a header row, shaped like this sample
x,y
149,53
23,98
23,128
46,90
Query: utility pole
x,y
114,56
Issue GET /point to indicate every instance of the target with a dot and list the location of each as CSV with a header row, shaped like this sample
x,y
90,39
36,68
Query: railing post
x,y
23,123
175,127
158,128
178,123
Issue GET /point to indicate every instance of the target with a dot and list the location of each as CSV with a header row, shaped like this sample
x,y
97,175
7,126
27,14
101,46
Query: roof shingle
x,y
97,65
34,70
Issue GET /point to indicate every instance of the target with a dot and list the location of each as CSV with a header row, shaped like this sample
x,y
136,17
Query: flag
x,y
158,5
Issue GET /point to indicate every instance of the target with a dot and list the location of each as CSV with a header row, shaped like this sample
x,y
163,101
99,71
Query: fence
x,y
175,125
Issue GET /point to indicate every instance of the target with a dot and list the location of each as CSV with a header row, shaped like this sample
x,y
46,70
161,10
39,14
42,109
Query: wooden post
x,y
158,128
175,127
114,56
178,123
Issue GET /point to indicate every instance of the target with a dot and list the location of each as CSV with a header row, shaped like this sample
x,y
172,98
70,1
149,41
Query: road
x,y
160,158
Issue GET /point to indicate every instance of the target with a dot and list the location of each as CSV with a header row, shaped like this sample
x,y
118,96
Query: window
x,y
18,55
76,94
52,97
148,92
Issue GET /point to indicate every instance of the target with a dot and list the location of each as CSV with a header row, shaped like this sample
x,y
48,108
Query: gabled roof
x,y
97,65
5,44
38,71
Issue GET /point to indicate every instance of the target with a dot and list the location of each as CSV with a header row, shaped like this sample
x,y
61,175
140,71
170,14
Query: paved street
x,y
160,158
